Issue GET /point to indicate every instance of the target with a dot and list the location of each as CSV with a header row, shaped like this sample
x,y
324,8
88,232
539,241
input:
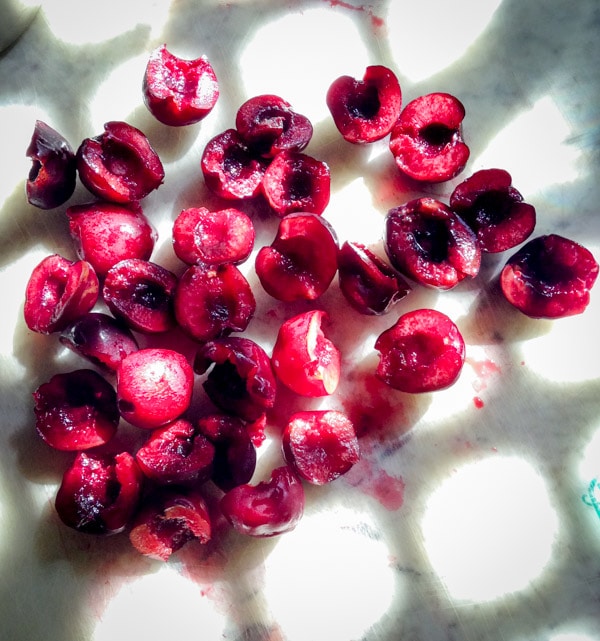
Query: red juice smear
x,y
478,402
376,21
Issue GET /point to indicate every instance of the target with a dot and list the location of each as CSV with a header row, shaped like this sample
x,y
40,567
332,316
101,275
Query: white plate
x,y
471,514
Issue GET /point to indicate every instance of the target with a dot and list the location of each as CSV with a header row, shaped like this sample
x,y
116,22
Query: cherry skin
x,y
99,338
154,387
368,283
53,174
179,92
304,360
549,277
106,233
423,351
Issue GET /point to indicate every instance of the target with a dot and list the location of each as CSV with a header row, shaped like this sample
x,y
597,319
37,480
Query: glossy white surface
x,y
473,514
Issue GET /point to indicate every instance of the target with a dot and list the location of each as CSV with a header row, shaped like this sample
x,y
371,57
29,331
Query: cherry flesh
x,y
176,453
213,237
320,445
154,387
99,494
106,233
428,242
59,291
365,110
240,377
169,518
235,455
120,164
423,351
269,125
179,92
230,168
296,182
76,410
549,277
368,283
303,359
494,210
426,142
301,261
141,294
211,302
99,338
53,174
268,508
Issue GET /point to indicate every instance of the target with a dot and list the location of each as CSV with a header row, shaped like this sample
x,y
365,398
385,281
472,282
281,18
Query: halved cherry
x,y
213,237
106,233
301,261
365,110
168,519
59,291
428,242
235,455
241,380
230,168
176,91
269,125
268,508
76,410
494,209
53,174
305,360
549,277
120,164
99,494
211,302
176,453
296,182
427,142
320,445
423,351
368,283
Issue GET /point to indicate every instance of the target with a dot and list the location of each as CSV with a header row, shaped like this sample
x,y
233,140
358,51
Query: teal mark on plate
x,y
592,498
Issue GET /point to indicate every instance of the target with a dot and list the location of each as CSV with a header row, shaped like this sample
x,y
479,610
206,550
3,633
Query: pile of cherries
x,y
103,303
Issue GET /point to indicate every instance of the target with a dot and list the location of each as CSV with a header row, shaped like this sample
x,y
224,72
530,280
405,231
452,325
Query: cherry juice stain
x,y
485,370
373,481
376,21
